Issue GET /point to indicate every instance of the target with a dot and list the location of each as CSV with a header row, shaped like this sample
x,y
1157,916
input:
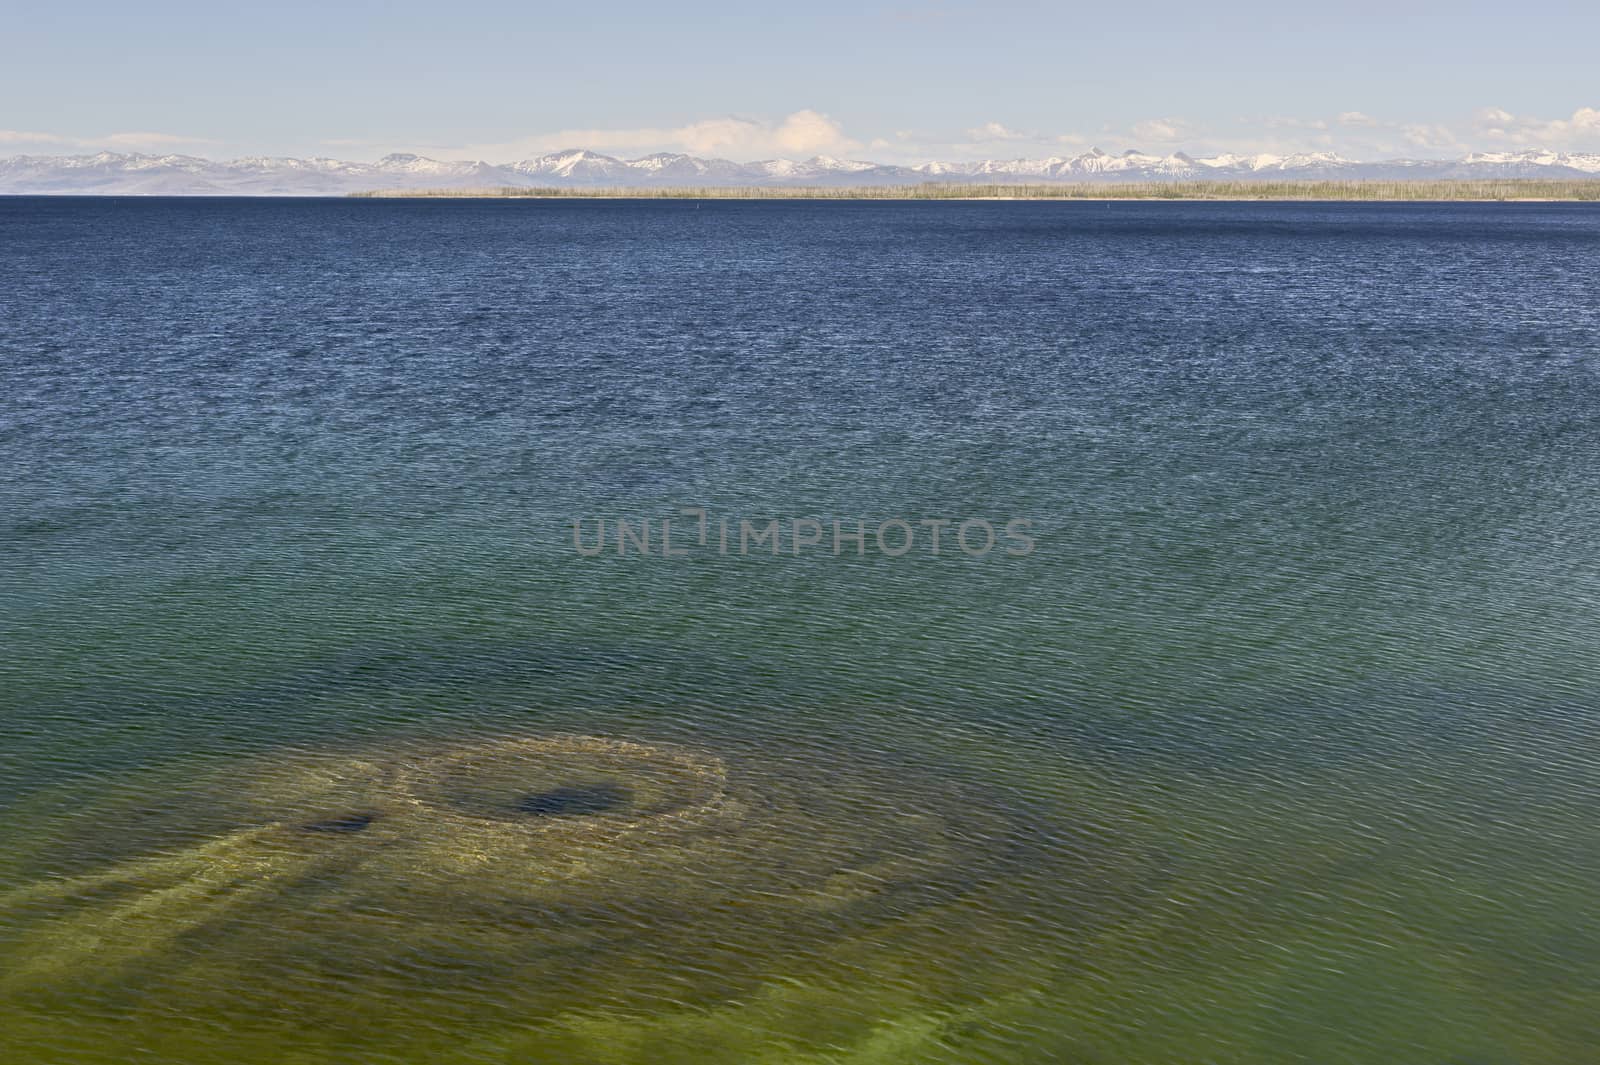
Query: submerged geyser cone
x,y
343,823
508,780
552,864
574,800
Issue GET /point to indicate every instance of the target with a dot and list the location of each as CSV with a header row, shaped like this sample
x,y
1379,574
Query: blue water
x,y
1277,744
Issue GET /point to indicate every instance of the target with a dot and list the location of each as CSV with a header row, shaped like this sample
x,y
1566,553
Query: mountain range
x,y
113,173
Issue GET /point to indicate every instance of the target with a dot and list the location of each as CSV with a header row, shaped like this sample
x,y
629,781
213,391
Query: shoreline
x,y
1464,191
981,199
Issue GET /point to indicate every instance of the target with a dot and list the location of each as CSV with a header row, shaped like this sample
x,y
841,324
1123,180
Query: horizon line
x,y
1091,152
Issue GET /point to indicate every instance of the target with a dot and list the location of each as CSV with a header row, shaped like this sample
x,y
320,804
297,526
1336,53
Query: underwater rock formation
x,y
580,871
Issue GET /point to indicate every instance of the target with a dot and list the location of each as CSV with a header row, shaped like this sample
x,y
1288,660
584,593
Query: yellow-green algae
x,y
739,903
1043,909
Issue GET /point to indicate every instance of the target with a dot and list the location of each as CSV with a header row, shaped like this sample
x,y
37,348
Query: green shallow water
x,y
323,744
1020,907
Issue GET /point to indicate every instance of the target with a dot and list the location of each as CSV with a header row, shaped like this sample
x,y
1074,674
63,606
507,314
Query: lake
x,y
512,631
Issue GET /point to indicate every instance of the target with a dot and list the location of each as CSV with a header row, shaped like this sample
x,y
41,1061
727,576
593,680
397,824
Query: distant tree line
x,y
1509,189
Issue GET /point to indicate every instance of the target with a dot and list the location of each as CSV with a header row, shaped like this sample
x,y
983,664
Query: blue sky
x,y
903,80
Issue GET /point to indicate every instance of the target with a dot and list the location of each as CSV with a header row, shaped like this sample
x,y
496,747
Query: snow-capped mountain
x,y
576,167
1529,163
112,173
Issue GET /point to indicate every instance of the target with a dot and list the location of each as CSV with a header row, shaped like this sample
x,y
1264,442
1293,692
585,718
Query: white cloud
x,y
132,141
1580,130
1432,137
20,136
140,141
1161,130
994,131
808,132
803,133
1286,122
1353,134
